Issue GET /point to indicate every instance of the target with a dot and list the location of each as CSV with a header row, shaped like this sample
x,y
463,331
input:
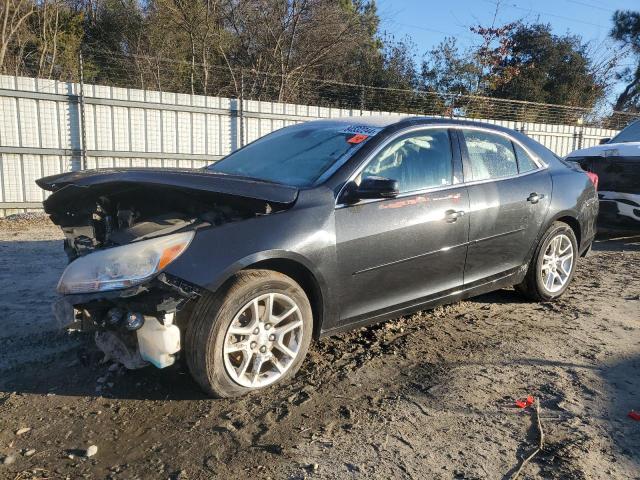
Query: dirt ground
x,y
427,396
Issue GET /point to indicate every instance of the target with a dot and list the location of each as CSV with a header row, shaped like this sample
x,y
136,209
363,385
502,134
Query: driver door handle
x,y
534,197
452,216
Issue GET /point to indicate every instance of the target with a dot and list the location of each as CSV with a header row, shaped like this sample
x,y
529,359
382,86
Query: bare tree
x,y
47,22
199,20
287,40
13,17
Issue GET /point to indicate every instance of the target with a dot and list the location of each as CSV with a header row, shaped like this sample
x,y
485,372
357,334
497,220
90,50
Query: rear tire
x,y
553,264
253,332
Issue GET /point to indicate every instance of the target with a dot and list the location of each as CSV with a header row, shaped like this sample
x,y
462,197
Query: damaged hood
x,y
72,186
108,207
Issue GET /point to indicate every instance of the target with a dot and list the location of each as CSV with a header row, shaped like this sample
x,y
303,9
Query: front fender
x,y
305,235
257,257
217,253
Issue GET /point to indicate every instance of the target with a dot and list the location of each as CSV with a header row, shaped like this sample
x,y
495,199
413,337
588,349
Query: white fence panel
x,y
41,131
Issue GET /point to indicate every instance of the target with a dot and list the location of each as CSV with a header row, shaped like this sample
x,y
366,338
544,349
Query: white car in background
x,y
616,161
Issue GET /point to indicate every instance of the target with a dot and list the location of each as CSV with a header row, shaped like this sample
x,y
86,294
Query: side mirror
x,y
375,187
604,140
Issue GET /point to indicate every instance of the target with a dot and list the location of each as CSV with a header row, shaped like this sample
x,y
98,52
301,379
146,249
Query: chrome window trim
x,y
540,164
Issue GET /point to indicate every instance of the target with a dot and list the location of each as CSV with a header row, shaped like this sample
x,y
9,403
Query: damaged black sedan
x,y
314,229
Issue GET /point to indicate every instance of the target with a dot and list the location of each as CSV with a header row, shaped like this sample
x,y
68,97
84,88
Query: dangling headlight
x,y
121,267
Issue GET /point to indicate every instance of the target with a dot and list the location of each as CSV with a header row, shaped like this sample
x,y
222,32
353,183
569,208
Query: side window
x,y
490,155
525,162
417,160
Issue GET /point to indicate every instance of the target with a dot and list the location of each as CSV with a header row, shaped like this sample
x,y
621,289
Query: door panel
x,y
507,206
504,223
399,250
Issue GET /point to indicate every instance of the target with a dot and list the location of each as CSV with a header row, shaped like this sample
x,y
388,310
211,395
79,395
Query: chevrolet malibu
x,y
314,229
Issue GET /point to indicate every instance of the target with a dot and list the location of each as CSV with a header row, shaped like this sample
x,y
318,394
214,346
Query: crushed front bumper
x,y
132,326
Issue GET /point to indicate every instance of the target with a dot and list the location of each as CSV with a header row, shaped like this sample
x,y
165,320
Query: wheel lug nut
x,y
267,326
263,349
253,345
256,331
272,337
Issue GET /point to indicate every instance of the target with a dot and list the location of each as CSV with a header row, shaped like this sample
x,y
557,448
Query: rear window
x,y
525,162
296,155
490,156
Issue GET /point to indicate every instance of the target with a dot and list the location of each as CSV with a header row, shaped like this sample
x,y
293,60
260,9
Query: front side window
x,y
631,133
296,155
490,156
417,160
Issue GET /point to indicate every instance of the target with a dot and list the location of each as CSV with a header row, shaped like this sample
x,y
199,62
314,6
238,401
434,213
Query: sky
x,y
428,22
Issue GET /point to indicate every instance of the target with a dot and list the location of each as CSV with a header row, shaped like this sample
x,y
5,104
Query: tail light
x,y
594,179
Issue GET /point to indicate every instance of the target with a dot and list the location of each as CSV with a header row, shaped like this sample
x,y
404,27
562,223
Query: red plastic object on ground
x,y
526,402
634,416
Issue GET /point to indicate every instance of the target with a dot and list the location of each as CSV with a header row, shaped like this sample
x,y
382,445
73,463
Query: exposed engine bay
x,y
104,212
133,214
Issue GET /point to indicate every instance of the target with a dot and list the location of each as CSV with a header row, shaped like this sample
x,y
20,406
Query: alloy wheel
x,y
263,340
557,263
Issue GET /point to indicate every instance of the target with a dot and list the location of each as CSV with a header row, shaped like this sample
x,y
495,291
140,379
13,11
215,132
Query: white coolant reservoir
x,y
157,342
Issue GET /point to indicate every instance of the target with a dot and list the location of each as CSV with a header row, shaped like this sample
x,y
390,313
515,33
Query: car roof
x,y
380,121
399,120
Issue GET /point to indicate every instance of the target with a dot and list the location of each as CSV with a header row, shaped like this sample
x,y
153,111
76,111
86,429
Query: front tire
x,y
253,332
553,265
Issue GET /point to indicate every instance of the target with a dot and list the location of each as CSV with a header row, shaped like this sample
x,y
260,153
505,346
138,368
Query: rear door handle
x,y
534,197
452,215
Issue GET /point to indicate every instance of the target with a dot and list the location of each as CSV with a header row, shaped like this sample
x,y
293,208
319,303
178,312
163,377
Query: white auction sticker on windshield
x,y
361,130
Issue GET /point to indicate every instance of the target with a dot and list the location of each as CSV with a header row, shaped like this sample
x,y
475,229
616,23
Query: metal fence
x,y
49,127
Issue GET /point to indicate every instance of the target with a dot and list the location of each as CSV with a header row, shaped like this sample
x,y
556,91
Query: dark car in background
x,y
311,230
616,161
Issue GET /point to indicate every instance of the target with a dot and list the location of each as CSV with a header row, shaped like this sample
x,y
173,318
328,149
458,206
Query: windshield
x,y
296,155
630,134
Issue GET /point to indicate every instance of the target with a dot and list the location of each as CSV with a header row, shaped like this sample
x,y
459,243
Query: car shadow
x,y
503,296
80,373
